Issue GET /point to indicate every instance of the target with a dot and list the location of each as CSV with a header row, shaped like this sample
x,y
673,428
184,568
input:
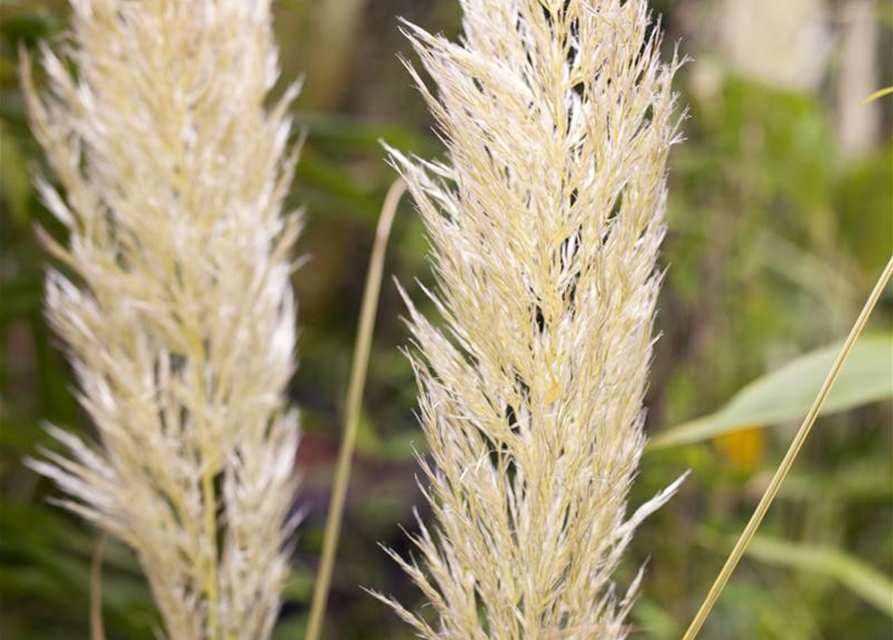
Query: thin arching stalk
x,y
97,629
802,434
354,402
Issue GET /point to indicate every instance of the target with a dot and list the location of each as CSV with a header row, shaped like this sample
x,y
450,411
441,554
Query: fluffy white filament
x,y
545,225
175,301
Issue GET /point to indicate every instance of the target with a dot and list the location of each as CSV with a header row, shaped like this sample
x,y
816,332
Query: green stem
x,y
788,461
354,401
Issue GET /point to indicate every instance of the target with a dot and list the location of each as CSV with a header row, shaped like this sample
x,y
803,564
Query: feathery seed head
x,y
176,303
545,224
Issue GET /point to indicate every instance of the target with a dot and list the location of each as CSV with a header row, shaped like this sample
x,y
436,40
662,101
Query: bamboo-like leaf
x,y
786,393
851,572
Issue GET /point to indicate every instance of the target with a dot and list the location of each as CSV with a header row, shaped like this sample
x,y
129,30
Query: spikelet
x,y
545,225
175,303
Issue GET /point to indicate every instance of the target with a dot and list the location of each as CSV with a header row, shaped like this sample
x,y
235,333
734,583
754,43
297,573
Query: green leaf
x,y
15,183
787,393
854,574
867,478
321,179
656,621
358,134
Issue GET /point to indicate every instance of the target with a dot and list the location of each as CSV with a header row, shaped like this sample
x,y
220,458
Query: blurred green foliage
x,y
773,240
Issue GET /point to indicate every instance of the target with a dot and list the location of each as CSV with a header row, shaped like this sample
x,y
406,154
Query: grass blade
x,y
788,461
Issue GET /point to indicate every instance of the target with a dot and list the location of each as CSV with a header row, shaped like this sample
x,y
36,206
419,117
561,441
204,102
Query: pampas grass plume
x,y
175,302
545,224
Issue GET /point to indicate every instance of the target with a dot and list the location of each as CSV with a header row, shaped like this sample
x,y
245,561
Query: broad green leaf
x,y
854,574
787,393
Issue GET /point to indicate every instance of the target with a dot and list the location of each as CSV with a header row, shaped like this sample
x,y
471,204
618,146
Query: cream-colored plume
x,y
175,300
545,225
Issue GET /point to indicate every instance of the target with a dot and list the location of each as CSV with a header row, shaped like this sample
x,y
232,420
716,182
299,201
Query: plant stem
x,y
97,630
354,401
788,461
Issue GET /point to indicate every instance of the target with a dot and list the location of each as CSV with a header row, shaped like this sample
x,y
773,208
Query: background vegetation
x,y
780,220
